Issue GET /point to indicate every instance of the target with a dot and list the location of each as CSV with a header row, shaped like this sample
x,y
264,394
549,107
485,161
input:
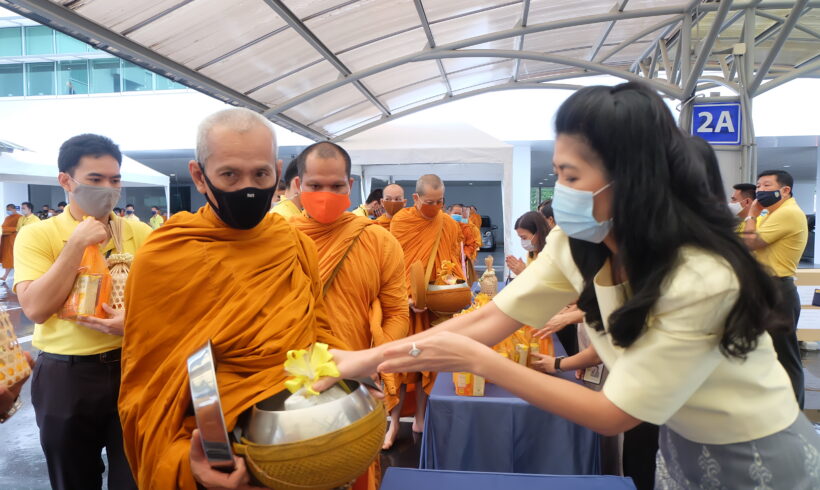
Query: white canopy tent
x,y
404,151
31,167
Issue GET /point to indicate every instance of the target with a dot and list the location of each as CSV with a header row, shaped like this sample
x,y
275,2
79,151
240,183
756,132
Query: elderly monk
x,y
290,204
362,264
7,241
232,273
393,201
472,240
416,228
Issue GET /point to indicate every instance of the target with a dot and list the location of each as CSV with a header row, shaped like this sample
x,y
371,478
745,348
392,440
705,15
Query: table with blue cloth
x,y
502,433
409,479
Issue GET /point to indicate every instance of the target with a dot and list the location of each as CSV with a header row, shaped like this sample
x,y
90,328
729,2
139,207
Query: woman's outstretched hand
x,y
351,364
445,351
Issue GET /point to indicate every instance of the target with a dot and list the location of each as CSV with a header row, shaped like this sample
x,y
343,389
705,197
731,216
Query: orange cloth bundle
x,y
91,289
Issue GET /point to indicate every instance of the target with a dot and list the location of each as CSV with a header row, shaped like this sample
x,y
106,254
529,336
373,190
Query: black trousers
x,y
75,404
568,336
640,449
785,343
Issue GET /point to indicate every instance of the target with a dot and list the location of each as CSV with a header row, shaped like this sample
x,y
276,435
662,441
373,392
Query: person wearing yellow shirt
x,y
27,210
372,207
778,238
290,204
75,383
130,214
742,197
676,310
156,219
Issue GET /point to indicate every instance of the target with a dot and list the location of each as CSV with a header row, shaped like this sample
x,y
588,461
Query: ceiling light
x,y
787,166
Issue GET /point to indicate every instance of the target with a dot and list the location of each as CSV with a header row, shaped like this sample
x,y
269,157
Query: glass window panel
x,y
11,80
402,76
73,77
167,84
202,31
40,78
474,25
105,76
136,78
296,84
380,18
11,41
67,44
39,40
384,50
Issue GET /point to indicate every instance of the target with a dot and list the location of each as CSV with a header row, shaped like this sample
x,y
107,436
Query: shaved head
x,y
394,192
428,183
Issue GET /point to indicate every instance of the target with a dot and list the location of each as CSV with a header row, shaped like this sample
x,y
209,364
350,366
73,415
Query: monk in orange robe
x,y
471,243
474,217
7,240
361,264
393,201
232,273
416,229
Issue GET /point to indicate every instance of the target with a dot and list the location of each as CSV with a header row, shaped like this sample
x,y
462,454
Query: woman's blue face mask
x,y
573,213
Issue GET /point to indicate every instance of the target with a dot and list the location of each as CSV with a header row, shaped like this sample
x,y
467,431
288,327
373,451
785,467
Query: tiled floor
x,y
22,466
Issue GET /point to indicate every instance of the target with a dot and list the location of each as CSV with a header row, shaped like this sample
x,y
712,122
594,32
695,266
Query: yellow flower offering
x,y
307,366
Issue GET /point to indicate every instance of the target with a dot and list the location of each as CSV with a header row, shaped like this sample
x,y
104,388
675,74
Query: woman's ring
x,y
415,351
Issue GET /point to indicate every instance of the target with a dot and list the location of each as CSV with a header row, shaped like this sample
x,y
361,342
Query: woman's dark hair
x,y
662,200
706,154
535,223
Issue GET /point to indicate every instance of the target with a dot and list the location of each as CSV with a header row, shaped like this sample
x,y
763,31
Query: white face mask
x,y
735,208
527,245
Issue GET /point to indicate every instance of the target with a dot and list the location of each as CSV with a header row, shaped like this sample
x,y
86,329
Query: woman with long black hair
x,y
677,307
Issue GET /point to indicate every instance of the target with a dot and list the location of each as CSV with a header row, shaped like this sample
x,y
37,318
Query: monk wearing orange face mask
x,y
393,201
361,263
418,229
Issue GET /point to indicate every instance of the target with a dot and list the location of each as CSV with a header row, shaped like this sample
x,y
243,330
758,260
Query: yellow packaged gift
x,y
468,384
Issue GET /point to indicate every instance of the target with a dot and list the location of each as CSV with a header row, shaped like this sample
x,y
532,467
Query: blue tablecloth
x,y
409,479
502,433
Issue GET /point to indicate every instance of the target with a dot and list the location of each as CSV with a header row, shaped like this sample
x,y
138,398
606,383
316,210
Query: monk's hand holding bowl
x,y
445,351
208,477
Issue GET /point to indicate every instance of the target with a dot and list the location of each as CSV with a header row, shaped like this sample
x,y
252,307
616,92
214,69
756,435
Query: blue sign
x,y
718,122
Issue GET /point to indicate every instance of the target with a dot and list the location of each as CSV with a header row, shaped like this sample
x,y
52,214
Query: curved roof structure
x,y
328,69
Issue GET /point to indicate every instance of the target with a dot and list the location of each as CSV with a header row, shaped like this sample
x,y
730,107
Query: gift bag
x,y
91,289
14,366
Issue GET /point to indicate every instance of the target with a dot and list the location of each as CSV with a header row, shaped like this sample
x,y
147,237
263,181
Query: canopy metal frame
x,y
668,51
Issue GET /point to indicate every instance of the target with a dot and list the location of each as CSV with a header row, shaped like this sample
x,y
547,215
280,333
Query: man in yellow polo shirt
x,y
75,383
291,204
778,238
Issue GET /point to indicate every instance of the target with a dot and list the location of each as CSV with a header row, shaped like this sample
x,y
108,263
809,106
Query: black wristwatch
x,y
558,363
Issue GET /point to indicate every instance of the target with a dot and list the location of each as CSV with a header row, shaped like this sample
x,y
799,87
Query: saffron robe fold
x,y
384,221
367,298
417,235
256,294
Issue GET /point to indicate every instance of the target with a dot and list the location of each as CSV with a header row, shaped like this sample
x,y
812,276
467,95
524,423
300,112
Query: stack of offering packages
x,y
468,384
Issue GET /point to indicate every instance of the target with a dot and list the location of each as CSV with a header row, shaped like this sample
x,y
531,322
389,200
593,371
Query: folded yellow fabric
x,y
307,366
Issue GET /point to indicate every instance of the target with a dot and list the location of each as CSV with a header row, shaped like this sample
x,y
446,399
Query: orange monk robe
x,y
367,297
7,241
475,219
384,221
472,242
417,236
255,293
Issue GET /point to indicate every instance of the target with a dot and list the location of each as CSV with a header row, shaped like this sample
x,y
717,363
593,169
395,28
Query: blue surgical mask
x,y
456,217
9,212
573,213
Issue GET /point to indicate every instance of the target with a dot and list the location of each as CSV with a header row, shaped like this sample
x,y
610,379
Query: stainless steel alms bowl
x,y
269,423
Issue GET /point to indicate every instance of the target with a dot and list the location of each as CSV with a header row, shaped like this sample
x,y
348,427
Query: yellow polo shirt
x,y
35,250
786,231
361,211
27,220
674,373
286,209
156,221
